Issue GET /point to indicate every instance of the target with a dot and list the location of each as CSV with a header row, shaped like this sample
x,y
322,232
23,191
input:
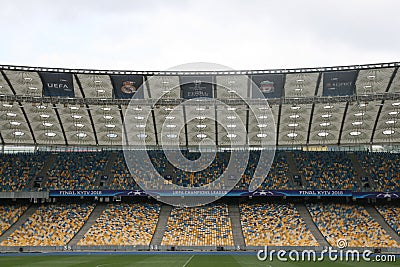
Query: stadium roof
x,y
306,112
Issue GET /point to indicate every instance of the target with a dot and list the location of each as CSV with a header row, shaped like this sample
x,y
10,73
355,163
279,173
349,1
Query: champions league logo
x,y
387,195
198,90
267,87
128,88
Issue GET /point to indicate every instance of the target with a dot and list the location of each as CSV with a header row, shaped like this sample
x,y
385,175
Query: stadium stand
x,y
50,225
350,223
326,170
16,170
81,170
123,224
274,225
277,177
121,177
76,170
186,178
278,174
383,168
9,214
208,225
391,215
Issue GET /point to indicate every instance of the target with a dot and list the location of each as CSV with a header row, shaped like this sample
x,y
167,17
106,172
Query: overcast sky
x,y
156,35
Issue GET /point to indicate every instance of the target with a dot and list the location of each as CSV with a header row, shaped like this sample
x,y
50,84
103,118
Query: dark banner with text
x,y
57,84
339,83
126,86
196,86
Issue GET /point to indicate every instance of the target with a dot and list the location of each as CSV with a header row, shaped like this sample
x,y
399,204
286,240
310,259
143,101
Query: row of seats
x,y
383,169
123,224
319,170
322,170
76,170
350,223
274,225
50,225
262,224
9,214
208,225
17,170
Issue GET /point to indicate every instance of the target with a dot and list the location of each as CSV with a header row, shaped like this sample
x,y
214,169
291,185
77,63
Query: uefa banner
x,y
126,86
339,83
270,85
232,193
57,84
196,86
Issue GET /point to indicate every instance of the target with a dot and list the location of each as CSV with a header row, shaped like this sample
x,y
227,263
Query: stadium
x,y
198,168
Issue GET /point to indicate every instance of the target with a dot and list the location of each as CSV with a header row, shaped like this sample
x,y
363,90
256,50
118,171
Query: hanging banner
x,y
196,86
57,84
270,85
339,83
126,86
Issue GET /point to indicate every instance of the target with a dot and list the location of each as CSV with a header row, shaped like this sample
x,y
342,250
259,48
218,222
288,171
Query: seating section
x,y
326,170
9,214
76,170
121,176
274,225
391,216
123,224
83,170
351,223
383,168
50,225
208,225
186,178
277,177
17,170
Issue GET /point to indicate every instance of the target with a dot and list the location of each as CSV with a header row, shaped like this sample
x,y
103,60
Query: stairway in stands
x,y
108,170
294,171
43,172
361,172
379,219
100,207
165,212
305,214
234,215
24,217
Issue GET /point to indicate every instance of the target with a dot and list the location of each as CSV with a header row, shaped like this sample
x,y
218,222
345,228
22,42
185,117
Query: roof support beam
x,y
186,123
226,72
155,126
87,107
22,109
2,139
382,102
61,124
345,112
123,127
175,102
279,114
313,107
